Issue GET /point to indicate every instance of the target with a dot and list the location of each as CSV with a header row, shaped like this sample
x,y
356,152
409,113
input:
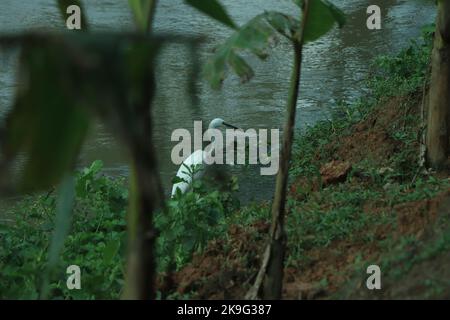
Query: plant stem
x,y
274,274
151,15
146,195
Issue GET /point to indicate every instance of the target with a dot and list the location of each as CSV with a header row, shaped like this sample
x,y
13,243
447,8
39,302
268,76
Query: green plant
x,y
192,219
404,72
49,133
95,242
97,239
317,18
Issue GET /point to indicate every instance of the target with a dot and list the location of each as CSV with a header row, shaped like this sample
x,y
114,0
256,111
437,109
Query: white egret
x,y
196,162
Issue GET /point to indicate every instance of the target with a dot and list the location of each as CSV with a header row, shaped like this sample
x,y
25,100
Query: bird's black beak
x,y
230,126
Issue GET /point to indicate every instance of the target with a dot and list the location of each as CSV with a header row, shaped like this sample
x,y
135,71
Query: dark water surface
x,y
334,68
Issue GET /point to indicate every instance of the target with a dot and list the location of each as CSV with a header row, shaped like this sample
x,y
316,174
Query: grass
x,y
96,242
356,210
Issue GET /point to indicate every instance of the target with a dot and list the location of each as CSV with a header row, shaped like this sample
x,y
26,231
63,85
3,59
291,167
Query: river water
x,y
334,68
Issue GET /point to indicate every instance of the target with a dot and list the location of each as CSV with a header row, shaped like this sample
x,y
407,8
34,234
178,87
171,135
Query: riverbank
x,y
363,204
358,196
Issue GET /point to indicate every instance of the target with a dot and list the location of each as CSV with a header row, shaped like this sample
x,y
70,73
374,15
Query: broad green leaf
x,y
283,24
214,69
322,17
240,66
338,14
214,9
255,37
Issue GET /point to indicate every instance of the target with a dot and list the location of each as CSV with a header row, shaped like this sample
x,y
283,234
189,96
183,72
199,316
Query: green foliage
x,y
63,219
309,143
253,36
96,241
334,214
192,219
394,75
419,263
338,212
405,72
257,34
322,17
49,131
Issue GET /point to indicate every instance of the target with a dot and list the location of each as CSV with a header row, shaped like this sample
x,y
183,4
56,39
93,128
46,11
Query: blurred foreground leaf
x,y
46,122
64,80
64,206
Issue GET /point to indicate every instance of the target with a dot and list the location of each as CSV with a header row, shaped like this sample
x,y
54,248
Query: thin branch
x,y
270,275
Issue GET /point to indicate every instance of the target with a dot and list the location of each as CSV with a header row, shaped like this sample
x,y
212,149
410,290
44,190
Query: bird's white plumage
x,y
200,158
195,160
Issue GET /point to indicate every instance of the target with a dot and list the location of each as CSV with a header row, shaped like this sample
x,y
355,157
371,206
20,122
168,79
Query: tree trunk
x,y
439,96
